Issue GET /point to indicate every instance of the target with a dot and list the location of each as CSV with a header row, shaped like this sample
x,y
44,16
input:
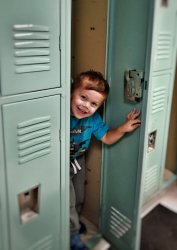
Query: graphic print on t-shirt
x,y
82,131
78,147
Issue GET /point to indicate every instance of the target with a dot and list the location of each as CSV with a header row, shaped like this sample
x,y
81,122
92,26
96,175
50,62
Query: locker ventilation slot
x,y
164,45
32,48
158,99
151,180
34,138
119,223
44,244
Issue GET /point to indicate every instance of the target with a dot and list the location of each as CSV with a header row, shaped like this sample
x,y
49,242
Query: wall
x,y
89,35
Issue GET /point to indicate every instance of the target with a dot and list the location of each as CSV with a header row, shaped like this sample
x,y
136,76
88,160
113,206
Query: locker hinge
x,y
59,43
146,85
59,135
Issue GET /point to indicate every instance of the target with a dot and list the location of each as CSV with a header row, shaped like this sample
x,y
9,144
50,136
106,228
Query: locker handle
x,y
133,85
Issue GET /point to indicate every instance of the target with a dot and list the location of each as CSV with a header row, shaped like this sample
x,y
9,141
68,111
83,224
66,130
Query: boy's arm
x,y
113,135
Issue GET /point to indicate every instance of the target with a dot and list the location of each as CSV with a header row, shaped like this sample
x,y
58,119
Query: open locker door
x,y
140,36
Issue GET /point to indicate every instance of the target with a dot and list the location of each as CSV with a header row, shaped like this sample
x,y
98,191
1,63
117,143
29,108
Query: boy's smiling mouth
x,y
82,110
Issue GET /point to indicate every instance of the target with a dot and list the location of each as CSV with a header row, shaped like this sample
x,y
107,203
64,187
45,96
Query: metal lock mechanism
x,y
133,82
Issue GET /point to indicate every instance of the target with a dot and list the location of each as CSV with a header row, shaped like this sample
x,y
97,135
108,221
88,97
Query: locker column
x,y
34,99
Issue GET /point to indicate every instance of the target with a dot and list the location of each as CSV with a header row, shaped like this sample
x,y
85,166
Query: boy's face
x,y
85,102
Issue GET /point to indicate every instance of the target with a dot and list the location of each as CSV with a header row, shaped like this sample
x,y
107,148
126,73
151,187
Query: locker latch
x,y
133,82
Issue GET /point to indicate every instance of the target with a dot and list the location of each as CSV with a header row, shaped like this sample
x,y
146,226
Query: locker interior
x,y
89,51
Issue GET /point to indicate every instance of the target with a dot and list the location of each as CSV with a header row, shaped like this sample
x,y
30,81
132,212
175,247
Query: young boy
x,y
88,92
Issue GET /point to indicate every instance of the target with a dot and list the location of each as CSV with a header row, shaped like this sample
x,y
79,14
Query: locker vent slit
x,y
151,184
119,223
158,99
164,45
33,138
32,48
43,244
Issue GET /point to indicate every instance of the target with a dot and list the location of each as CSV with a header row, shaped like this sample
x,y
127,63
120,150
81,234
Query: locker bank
x,y
42,45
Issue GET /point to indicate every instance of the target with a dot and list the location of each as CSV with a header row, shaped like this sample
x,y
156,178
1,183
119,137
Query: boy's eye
x,y
94,104
83,97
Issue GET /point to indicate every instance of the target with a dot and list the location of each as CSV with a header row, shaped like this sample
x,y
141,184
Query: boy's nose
x,y
86,104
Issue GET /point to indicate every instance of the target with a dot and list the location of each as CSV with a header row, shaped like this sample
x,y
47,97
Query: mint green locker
x,y
29,45
34,124
161,77
3,226
32,161
137,40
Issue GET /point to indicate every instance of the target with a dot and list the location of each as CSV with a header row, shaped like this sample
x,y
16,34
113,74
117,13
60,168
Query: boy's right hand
x,y
132,121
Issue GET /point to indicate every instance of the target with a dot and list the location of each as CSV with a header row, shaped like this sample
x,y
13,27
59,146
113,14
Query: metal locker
x,y
32,156
34,124
161,77
3,215
141,38
30,45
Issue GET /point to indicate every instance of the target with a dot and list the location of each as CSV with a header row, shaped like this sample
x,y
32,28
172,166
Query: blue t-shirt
x,y
81,131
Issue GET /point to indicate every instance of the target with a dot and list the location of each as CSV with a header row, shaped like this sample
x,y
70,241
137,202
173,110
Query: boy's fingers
x,y
136,114
137,125
136,122
133,114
